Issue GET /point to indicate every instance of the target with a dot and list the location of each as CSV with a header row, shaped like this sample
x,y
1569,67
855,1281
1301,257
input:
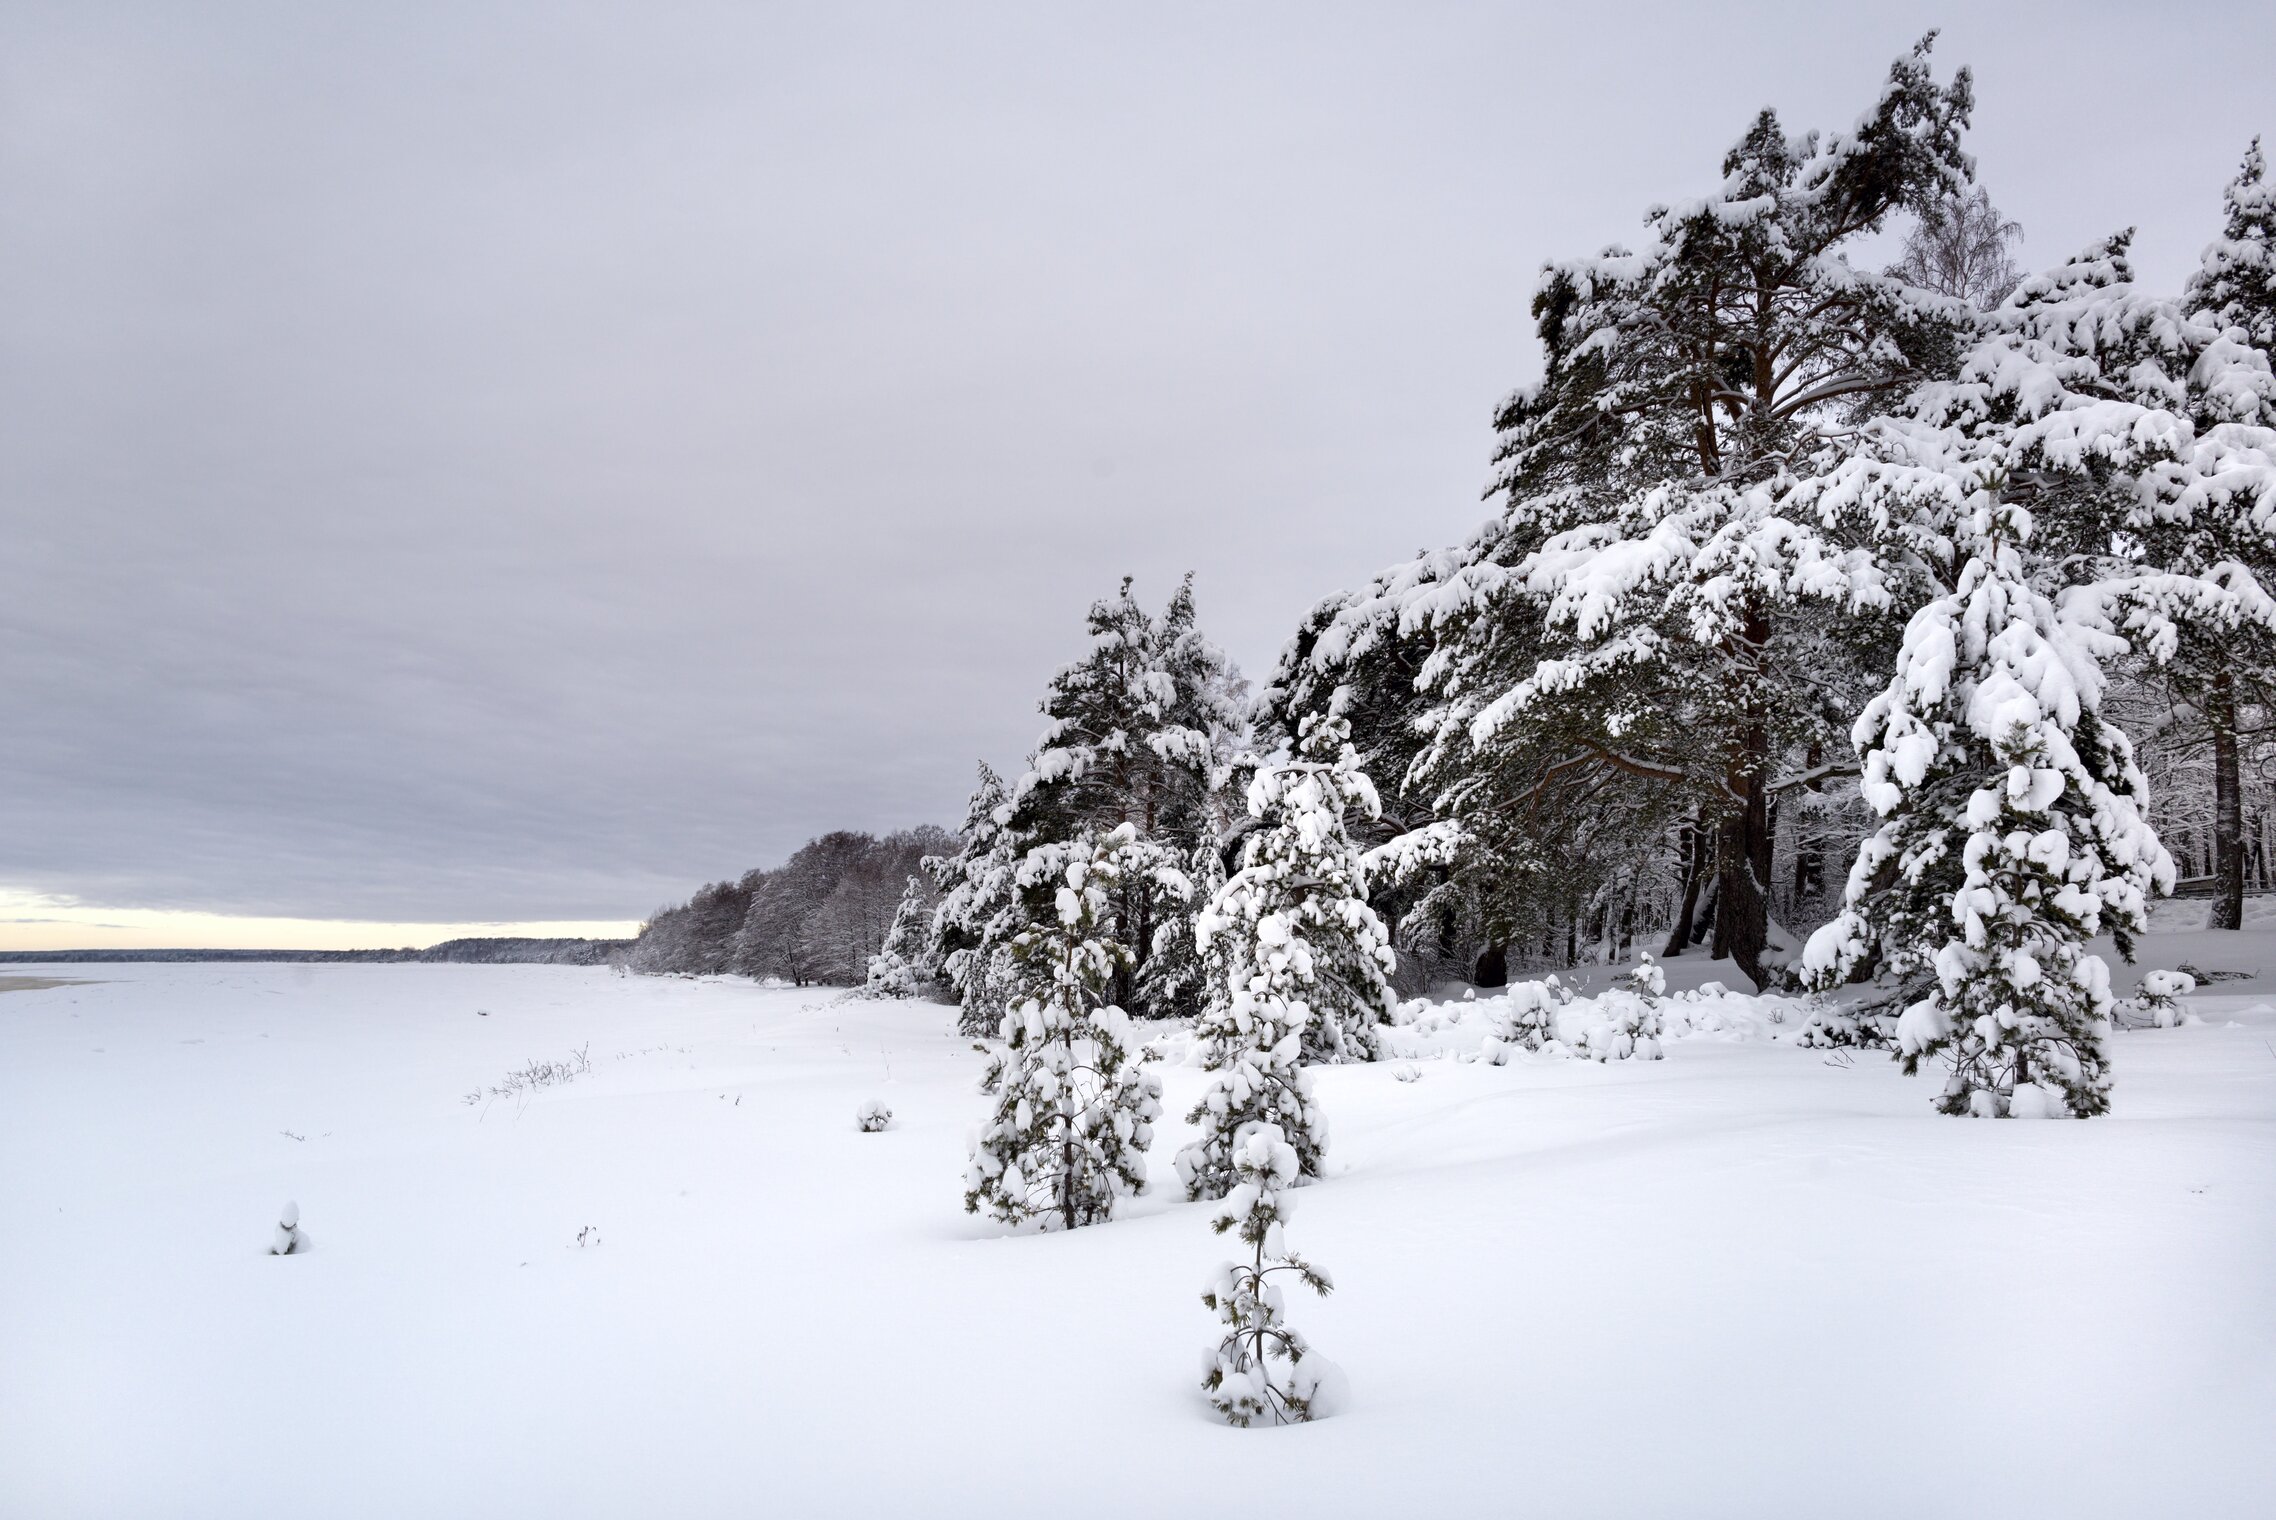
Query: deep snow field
x,y
1746,1280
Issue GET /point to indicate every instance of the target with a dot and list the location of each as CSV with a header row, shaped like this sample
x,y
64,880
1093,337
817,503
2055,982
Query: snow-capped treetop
x,y
2235,283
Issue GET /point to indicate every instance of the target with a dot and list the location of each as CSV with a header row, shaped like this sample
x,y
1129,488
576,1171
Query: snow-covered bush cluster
x,y
1628,1020
872,1116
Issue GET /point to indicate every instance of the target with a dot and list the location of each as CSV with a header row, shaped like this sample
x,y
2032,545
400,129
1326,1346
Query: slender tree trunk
x,y
1742,909
1742,915
1694,859
2228,805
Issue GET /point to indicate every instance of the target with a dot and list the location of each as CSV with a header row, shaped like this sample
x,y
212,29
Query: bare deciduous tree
x,y
1961,247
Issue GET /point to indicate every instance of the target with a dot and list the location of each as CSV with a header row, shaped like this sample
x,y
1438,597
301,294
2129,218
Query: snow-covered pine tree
x,y
1297,911
907,967
1358,656
2157,1002
1261,1368
1137,732
1251,1039
1183,978
1646,631
2013,834
2223,663
1075,1109
979,911
2235,281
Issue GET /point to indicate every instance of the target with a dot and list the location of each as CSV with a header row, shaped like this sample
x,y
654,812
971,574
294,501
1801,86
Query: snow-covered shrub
x,y
1628,1022
1406,1071
1075,1110
1851,1025
288,1239
1526,1019
1261,1367
872,1116
1621,1024
2156,1004
1645,979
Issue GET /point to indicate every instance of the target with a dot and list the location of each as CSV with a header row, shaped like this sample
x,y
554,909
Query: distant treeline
x,y
816,918
492,951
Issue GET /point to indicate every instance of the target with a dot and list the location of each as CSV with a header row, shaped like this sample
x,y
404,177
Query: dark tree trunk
x,y
1694,861
1492,969
2228,806
1742,862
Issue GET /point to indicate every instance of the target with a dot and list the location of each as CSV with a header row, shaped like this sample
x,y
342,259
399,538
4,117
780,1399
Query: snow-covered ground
x,y
1747,1280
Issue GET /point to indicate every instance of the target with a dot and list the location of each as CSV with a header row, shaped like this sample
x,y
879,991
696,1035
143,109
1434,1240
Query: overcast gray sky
x,y
466,463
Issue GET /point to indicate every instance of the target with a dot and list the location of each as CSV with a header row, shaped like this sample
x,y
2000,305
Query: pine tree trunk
x,y
1742,915
1694,858
2228,805
1742,860
1492,969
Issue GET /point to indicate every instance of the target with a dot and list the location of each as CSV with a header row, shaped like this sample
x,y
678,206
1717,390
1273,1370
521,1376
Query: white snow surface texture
x,y
1747,1279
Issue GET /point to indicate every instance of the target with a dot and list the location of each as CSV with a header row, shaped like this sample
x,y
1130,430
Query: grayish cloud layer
x,y
461,463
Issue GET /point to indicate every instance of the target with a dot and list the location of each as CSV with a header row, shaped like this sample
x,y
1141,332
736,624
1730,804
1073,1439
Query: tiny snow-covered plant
x,y
1645,979
1406,1071
1075,1108
2157,1003
1261,1368
1526,1020
288,1239
873,1116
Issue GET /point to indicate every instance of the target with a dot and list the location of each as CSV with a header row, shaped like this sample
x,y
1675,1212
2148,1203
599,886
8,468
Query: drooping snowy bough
x,y
1262,1368
1075,1110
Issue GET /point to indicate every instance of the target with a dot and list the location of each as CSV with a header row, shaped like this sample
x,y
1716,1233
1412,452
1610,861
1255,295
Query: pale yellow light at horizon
x,y
31,921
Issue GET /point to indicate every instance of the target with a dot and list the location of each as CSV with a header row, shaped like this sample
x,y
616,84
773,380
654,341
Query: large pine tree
x,y
1641,617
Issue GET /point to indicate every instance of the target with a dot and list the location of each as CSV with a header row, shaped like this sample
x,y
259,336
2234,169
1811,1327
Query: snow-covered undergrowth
x,y
1747,1278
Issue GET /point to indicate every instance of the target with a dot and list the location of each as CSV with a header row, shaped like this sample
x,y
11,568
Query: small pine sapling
x,y
1251,1039
873,1116
1075,1109
288,1239
1261,1369
1632,1006
2157,1003
1526,1020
